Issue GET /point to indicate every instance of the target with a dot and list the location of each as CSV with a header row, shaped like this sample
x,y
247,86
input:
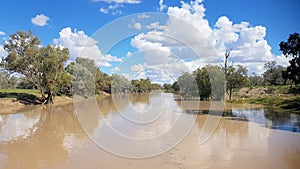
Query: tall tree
x,y
203,83
119,84
52,69
236,77
188,86
175,86
273,73
40,65
217,81
291,48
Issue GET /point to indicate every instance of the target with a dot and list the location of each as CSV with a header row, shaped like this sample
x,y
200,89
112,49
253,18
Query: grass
x,y
8,92
25,96
291,103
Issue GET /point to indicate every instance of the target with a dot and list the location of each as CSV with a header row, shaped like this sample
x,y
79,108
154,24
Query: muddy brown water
x,y
244,137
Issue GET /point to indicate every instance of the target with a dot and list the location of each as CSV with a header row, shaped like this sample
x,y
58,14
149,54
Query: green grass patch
x,y
22,95
270,101
8,93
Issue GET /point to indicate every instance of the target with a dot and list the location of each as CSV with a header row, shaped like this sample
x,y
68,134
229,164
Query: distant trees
x,y
155,86
273,73
43,66
143,86
7,81
291,48
119,84
168,87
256,80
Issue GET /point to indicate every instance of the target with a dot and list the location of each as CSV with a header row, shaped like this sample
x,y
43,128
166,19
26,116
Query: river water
x,y
149,131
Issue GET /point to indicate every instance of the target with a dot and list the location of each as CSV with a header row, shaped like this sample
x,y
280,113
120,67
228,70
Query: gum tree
x,y
42,66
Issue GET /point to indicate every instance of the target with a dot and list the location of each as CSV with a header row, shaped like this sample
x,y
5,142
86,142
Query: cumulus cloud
x,y
120,1
81,45
40,20
188,35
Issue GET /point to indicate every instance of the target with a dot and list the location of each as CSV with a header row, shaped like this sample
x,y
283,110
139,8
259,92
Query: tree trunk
x,y
50,98
230,93
42,93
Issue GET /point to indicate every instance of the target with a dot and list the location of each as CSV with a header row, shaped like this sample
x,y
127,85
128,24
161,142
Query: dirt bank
x,y
12,105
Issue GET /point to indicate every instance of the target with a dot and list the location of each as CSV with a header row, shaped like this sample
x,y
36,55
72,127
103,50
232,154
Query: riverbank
x,y
13,105
279,98
17,100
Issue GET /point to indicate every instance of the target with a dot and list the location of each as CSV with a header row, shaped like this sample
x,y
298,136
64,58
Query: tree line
x,y
207,82
44,68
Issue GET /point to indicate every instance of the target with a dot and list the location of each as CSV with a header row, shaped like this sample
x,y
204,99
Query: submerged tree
x,y
203,83
291,48
40,65
188,86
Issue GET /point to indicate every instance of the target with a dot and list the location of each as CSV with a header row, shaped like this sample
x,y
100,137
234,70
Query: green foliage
x,y
7,81
188,86
256,80
155,86
83,81
217,81
203,83
168,87
42,66
143,86
291,48
273,74
24,83
175,86
236,78
119,84
52,69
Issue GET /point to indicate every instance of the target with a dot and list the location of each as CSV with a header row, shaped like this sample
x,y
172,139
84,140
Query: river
x,y
149,131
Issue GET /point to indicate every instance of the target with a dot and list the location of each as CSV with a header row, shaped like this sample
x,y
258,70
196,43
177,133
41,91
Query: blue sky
x,y
279,18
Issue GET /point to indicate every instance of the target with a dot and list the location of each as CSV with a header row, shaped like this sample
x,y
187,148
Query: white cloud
x,y
188,32
81,45
156,26
155,53
161,5
120,1
3,53
112,9
137,26
2,33
128,54
40,20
